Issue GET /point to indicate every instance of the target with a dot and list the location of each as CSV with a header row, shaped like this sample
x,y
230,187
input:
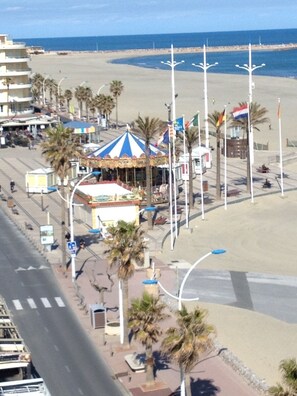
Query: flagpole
x,y
201,181
173,64
251,148
280,148
186,168
225,161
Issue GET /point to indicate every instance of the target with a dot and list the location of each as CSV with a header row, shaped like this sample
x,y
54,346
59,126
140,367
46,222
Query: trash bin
x,y
10,202
97,314
205,185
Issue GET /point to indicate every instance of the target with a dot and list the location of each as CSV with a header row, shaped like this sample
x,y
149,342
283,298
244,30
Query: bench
x,y
15,211
28,226
263,169
233,193
160,220
135,362
267,184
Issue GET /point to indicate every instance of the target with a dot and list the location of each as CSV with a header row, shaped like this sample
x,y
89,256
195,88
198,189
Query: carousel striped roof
x,y
126,145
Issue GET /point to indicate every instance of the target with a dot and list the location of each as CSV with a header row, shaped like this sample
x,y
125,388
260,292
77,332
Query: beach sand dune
x,y
147,90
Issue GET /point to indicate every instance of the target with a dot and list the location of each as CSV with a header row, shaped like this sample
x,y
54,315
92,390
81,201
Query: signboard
x,y
72,247
47,234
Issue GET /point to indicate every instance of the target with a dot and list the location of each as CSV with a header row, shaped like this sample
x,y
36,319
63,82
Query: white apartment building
x,y
15,86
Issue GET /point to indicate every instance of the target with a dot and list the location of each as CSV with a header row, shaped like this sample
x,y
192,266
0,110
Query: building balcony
x,y
8,59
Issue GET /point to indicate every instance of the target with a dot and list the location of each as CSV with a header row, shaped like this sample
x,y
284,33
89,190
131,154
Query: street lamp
x,y
216,251
73,255
102,86
250,68
58,91
82,83
205,66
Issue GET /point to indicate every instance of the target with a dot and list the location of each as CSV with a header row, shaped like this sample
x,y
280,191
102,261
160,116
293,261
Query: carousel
x,y
124,160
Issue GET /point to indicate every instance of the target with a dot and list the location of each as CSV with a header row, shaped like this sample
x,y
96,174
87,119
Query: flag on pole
x,y
163,138
241,112
179,124
221,119
193,122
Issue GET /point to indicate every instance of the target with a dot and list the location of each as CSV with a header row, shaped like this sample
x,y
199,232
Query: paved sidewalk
x,y
211,375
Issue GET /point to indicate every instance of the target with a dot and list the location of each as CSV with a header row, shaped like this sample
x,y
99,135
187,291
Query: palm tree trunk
x,y
218,175
188,384
125,310
150,379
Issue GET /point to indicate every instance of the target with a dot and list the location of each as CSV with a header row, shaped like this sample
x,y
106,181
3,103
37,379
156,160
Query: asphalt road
x,y
269,294
62,352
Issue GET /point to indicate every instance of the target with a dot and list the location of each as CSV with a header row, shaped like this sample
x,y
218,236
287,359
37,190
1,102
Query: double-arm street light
x,y
205,66
250,68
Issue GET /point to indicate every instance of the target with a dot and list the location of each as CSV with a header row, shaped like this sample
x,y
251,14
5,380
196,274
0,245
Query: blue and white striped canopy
x,y
126,145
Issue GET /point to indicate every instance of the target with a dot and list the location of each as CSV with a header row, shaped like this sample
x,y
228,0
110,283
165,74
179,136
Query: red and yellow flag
x,y
221,119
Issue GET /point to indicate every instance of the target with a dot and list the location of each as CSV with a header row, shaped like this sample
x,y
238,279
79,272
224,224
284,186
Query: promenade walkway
x,y
258,341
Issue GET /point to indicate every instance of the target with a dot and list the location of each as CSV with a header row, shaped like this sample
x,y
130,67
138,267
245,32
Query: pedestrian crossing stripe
x,y
33,305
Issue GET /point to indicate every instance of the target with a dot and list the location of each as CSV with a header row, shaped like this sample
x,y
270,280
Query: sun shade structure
x,y
80,127
126,151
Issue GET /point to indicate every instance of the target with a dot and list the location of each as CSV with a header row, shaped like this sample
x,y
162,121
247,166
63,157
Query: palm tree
x,y
124,248
80,97
59,149
116,88
288,367
87,99
145,316
52,86
68,95
37,85
257,116
149,129
185,344
214,119
192,137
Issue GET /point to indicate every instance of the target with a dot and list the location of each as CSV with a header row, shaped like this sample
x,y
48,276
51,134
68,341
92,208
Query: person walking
x,y
12,185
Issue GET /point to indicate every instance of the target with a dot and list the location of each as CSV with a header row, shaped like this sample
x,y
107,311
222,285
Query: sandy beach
x,y
147,90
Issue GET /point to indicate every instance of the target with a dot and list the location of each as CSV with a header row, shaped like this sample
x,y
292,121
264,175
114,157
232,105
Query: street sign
x,y
72,247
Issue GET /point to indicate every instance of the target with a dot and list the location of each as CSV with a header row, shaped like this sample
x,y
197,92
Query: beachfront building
x,y
16,110
105,203
15,86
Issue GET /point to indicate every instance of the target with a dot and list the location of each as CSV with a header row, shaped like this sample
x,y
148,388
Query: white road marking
x,y
45,302
31,303
59,301
17,305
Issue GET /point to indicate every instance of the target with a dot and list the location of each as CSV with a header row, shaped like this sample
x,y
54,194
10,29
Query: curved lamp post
x,y
73,255
216,251
43,88
205,66
58,91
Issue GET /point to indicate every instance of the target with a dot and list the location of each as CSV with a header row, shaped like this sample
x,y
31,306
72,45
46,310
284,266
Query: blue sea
x,y
278,63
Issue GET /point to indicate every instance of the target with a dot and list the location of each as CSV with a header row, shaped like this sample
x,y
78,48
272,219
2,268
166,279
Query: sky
x,y
74,18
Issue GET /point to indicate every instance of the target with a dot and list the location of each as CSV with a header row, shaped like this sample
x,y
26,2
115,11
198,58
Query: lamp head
x,y
218,251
